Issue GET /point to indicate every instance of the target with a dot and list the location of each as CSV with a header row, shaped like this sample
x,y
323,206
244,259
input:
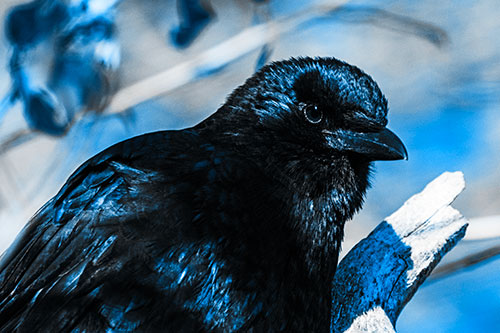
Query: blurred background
x,y
80,75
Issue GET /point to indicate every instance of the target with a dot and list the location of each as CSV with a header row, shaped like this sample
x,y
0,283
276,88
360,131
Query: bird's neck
x,y
316,214
319,206
318,194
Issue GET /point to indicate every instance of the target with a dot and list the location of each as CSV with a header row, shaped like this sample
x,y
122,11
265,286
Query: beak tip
x,y
404,155
390,147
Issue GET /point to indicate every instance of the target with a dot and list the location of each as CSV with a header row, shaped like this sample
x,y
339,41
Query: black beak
x,y
376,146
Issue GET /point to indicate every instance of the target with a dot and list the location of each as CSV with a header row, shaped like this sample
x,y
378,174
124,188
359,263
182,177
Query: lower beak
x,y
376,146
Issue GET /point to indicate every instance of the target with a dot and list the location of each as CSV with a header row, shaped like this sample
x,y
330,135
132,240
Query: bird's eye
x,y
313,113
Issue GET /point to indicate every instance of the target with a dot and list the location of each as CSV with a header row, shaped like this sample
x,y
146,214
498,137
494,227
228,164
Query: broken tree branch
x,y
381,273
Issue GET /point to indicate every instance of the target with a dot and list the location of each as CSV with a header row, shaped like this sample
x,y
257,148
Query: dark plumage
x,y
234,224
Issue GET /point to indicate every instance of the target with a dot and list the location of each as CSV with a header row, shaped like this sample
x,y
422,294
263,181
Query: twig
x,y
483,228
16,139
19,137
467,261
393,21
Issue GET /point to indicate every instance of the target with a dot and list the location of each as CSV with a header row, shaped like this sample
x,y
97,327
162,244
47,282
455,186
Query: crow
x,y
234,224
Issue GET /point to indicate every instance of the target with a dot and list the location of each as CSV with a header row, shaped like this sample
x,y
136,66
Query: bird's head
x,y
317,121
313,126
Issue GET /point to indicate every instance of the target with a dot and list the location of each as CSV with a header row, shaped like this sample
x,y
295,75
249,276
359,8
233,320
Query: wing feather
x,y
53,252
93,258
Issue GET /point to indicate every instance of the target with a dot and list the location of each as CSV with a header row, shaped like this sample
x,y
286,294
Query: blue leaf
x,y
193,19
43,113
28,24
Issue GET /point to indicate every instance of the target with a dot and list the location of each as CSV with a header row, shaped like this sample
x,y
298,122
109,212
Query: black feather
x,y
234,224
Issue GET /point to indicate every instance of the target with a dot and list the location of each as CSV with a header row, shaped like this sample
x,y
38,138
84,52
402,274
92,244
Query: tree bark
x,y
382,272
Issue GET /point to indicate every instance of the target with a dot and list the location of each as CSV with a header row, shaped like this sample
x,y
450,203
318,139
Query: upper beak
x,y
376,146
